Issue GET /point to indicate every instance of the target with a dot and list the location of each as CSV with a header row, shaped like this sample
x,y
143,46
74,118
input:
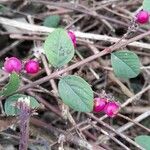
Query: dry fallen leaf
x,y
6,122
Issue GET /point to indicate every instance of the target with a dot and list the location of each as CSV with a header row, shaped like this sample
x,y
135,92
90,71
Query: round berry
x,y
99,104
142,17
112,109
73,38
12,64
32,66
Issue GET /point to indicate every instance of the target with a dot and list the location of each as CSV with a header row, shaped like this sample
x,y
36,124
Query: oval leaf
x,y
146,5
76,93
59,48
144,141
12,86
52,21
125,63
3,8
10,103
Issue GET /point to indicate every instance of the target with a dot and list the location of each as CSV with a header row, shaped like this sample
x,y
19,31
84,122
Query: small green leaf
x,y
125,63
76,93
3,8
52,21
10,103
144,141
12,86
146,5
59,48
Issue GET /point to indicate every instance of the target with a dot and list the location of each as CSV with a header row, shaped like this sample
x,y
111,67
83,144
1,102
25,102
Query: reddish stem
x,y
24,125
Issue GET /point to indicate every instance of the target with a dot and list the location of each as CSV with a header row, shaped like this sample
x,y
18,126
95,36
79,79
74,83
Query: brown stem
x,y
24,118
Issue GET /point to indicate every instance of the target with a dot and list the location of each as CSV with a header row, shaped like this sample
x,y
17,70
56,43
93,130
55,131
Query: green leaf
x,y
125,63
12,86
144,141
59,48
76,93
146,5
2,8
10,103
52,21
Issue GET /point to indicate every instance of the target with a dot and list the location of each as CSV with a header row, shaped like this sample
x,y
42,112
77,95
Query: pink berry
x,y
99,104
32,66
112,109
142,17
12,64
73,38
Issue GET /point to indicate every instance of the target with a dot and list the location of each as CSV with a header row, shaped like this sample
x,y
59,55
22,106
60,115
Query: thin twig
x,y
11,46
111,137
137,119
37,28
128,101
116,132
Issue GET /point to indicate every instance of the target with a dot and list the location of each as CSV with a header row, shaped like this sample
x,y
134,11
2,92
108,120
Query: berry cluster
x,y
13,64
111,108
142,17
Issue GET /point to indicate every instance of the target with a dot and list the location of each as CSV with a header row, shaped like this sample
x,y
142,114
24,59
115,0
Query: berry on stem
x,y
99,104
12,64
32,66
142,17
112,108
73,38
